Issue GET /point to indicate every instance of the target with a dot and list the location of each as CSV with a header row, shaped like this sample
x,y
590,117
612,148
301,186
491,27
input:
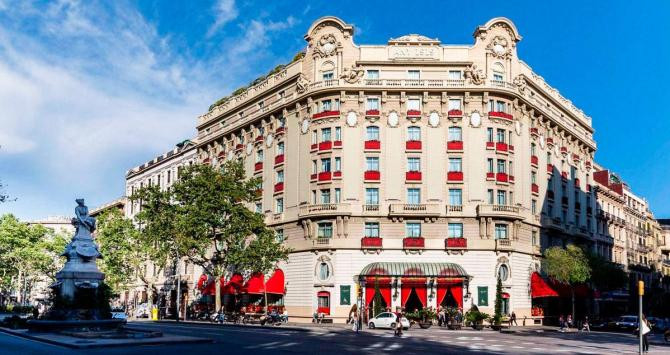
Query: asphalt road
x,y
257,340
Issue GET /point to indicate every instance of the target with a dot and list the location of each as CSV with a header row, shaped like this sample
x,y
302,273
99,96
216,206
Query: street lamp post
x,y
640,291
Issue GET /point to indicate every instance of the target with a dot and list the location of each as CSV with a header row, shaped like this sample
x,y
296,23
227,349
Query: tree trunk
x,y
217,293
572,289
265,294
19,296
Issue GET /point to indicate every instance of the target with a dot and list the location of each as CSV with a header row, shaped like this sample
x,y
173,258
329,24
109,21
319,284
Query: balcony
x,y
373,145
325,146
577,182
564,200
337,144
499,114
510,178
501,147
325,176
490,145
259,139
490,176
455,113
550,194
325,209
370,208
455,243
455,146
411,209
413,113
325,114
564,150
313,177
372,113
534,131
279,187
258,166
503,244
280,130
413,243
371,175
502,177
239,146
454,208
413,145
279,159
313,147
578,206
413,176
535,189
510,148
499,211
550,169
589,210
550,141
455,176
371,243
564,175
534,160
337,174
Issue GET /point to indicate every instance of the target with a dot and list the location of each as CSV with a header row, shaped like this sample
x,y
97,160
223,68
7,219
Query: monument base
x,y
40,325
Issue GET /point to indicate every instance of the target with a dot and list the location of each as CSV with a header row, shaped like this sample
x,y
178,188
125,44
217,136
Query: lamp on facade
x,y
431,282
395,288
466,284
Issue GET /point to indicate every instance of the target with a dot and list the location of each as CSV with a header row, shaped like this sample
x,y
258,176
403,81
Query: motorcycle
x,y
271,318
218,317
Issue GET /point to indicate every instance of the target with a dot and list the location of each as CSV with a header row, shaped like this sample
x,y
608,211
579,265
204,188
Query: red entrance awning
x,y
234,286
206,285
541,288
276,283
254,285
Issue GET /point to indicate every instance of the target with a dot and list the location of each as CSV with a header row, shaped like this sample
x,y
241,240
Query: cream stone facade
x,y
413,151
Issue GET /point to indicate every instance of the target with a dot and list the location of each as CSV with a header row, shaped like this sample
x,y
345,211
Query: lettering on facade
x,y
410,52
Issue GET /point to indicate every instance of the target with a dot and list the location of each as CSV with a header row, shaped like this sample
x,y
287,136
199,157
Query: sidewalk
x,y
304,327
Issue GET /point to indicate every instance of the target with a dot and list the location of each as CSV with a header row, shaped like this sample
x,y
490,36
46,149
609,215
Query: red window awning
x,y
233,286
541,288
276,283
254,285
206,285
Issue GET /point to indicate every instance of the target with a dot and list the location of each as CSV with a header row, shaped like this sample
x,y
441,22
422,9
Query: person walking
x,y
398,324
512,319
561,323
355,321
569,322
645,329
586,327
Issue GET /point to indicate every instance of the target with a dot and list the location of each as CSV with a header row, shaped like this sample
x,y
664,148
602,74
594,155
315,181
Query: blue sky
x,y
91,89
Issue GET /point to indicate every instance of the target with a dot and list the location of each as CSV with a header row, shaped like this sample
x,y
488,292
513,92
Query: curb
x,y
191,323
91,346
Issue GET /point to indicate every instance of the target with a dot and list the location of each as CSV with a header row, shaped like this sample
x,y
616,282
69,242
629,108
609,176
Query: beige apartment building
x,y
422,169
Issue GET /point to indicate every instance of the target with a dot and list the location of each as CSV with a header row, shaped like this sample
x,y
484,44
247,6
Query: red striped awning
x,y
540,288
274,285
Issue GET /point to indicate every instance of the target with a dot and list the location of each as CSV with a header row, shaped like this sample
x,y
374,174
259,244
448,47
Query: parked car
x,y
142,311
118,313
387,320
626,323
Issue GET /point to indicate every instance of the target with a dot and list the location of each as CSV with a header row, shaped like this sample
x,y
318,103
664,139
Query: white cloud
x,y
225,11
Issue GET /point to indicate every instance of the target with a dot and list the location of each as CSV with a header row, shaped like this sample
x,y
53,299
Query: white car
x,y
387,320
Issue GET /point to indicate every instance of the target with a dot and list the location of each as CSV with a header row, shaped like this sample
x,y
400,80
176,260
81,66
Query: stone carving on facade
x,y
520,83
474,75
326,46
301,84
352,75
499,48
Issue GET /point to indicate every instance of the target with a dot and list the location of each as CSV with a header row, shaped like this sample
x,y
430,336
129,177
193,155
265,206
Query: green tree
x,y
497,309
205,216
568,266
28,254
122,255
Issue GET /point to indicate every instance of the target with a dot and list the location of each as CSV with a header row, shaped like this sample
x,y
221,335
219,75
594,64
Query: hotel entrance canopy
x,y
413,269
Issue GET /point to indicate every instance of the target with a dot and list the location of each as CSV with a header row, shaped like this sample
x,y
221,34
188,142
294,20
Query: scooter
x,y
274,319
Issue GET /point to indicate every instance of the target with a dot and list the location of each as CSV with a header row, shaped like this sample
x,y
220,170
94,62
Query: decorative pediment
x,y
414,39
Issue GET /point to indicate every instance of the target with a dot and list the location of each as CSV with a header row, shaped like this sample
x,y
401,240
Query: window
x,y
500,106
533,206
280,176
501,166
325,135
455,230
489,162
372,163
281,121
455,197
338,194
455,164
511,168
323,300
326,105
497,76
324,274
532,149
259,207
325,165
414,196
500,135
502,197
489,195
314,197
259,156
501,231
372,229
328,75
533,177
413,229
372,133
373,74
503,272
325,196
168,176
548,157
414,74
510,135
325,230
279,205
373,103
454,104
413,133
455,134
280,148
315,168
371,196
482,295
414,164
315,137
414,104
573,172
534,238
489,134
279,235
455,75
338,133
338,164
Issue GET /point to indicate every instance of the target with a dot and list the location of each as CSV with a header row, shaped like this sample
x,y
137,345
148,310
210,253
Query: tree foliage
x,y
28,253
121,249
497,309
568,266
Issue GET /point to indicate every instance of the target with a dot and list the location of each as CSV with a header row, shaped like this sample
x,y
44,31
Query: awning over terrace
x,y
413,269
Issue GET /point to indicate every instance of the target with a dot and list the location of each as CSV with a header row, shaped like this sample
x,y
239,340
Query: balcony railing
x,y
499,114
326,145
455,243
490,175
413,243
325,176
373,112
371,175
413,113
325,209
371,243
455,113
499,211
279,187
501,147
258,166
455,145
373,145
550,169
413,145
534,131
337,174
502,177
413,176
455,176
280,130
454,208
337,144
279,159
410,209
490,145
323,240
535,189
370,208
503,244
533,160
324,114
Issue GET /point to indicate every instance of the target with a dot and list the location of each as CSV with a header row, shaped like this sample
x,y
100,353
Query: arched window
x,y
498,72
413,133
503,272
324,271
328,71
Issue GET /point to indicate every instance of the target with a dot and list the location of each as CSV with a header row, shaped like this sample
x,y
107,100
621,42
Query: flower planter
x,y
425,325
477,326
454,327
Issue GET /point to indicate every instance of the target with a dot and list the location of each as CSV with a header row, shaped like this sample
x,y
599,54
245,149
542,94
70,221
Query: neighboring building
x,y
162,171
119,203
425,169
664,246
60,224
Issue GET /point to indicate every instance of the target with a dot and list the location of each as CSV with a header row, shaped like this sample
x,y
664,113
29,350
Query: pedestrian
x,y
586,327
355,321
398,324
440,317
645,329
352,311
569,322
512,318
561,323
